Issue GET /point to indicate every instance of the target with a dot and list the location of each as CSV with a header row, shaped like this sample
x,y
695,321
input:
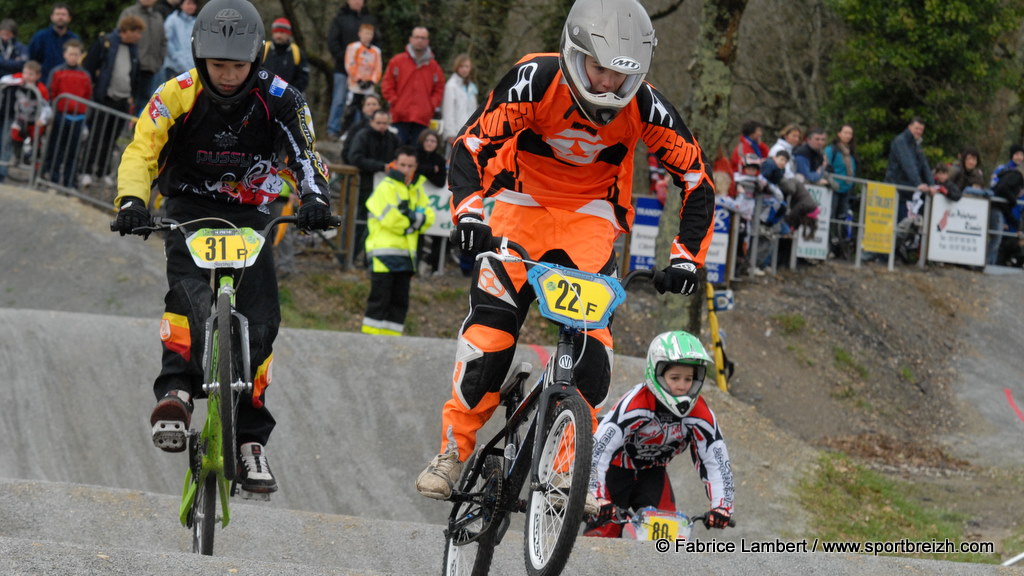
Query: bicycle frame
x,y
577,301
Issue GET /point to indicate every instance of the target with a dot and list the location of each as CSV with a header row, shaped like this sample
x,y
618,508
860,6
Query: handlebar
x,y
626,515
500,246
161,223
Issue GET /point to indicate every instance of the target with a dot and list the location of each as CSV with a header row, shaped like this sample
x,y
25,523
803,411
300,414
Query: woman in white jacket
x,y
459,102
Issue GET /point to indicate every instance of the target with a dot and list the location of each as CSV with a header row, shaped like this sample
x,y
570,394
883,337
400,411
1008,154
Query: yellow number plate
x,y
579,299
224,247
661,528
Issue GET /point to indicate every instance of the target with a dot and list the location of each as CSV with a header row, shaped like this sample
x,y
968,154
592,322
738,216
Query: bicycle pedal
x,y
256,496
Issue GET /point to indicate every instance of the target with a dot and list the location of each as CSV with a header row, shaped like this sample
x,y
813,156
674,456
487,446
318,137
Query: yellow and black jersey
x,y
189,145
528,145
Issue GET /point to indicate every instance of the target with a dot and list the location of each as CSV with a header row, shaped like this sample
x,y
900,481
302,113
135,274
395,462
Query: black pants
x,y
190,295
388,303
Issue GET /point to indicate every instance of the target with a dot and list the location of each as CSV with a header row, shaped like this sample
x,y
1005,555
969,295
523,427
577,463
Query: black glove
x,y
472,235
314,213
680,277
717,518
365,84
131,215
403,207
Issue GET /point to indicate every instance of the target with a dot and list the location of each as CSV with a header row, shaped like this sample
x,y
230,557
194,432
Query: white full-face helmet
x,y
619,35
666,350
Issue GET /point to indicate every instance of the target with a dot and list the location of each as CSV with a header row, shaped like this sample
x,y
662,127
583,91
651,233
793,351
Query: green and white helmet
x,y
666,350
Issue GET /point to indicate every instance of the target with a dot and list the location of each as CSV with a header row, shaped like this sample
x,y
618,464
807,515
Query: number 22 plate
x,y
575,298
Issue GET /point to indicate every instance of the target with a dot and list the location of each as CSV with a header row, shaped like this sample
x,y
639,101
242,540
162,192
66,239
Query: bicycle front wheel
x,y
225,364
204,515
555,511
471,536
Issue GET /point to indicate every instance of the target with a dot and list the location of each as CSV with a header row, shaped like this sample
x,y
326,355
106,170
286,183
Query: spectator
x,y
282,56
69,116
790,137
372,148
344,31
413,85
168,7
178,30
658,177
908,165
113,63
459,102
370,105
398,211
430,164
152,47
653,422
749,144
30,111
841,159
1009,188
809,158
968,175
47,45
13,54
1016,159
908,229
364,66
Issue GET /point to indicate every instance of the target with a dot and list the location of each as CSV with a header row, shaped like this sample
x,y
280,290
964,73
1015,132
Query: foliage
x,y
850,503
940,61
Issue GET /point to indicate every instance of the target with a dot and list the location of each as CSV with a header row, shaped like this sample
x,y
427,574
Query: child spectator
x,y
1016,160
69,117
398,210
29,113
364,64
653,422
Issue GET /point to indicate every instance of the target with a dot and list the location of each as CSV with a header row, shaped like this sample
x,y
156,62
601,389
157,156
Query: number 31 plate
x,y
575,298
224,247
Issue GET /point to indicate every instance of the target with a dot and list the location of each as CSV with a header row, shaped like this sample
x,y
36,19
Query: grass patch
x,y
907,374
791,324
849,503
845,360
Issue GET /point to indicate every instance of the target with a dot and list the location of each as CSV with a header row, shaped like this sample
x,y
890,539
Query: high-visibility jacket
x,y
392,241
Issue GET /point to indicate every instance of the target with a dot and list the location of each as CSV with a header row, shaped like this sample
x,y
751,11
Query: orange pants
x,y
499,301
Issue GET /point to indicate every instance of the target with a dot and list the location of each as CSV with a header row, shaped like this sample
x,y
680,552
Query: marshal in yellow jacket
x,y
397,214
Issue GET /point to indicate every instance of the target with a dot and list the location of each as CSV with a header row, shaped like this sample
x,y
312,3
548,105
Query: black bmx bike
x,y
552,458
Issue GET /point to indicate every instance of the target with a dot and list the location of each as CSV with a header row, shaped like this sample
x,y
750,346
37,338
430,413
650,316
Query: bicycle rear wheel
x,y
470,539
204,515
225,364
555,511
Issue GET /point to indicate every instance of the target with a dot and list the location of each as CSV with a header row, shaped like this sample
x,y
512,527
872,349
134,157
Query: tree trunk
x,y
707,114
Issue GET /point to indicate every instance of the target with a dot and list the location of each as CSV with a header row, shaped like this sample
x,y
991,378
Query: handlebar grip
x,y
335,221
658,280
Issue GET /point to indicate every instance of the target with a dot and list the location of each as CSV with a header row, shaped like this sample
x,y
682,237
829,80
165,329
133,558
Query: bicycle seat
x,y
514,381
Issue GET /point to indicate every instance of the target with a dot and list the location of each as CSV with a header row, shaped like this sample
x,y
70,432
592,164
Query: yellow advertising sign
x,y
879,218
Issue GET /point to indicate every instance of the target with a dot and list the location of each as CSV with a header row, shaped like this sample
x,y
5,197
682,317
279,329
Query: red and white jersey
x,y
639,433
528,145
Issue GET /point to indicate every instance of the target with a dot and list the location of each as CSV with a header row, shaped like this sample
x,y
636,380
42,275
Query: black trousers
x,y
389,299
190,294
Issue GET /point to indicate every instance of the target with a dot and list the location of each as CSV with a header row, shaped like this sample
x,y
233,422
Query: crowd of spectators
x,y
778,176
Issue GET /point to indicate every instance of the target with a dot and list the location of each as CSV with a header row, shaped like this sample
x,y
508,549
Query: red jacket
x,y
414,90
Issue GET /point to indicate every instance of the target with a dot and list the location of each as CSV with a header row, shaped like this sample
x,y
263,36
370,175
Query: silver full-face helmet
x,y
228,30
619,35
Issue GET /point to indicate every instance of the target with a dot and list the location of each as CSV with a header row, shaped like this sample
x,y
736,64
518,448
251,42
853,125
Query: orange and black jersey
x,y
528,145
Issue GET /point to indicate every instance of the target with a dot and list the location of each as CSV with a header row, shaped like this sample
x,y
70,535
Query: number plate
x,y
575,298
653,524
224,247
